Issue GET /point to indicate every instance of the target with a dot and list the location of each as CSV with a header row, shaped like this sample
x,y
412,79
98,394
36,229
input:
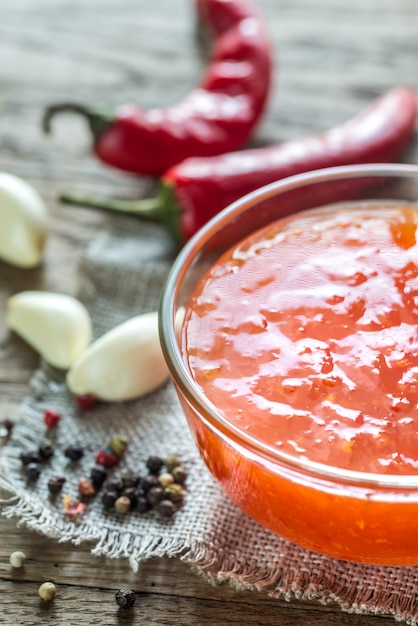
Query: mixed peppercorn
x,y
6,427
47,591
125,598
156,489
160,487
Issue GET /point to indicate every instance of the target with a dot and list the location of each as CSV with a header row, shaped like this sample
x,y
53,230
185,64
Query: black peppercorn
x,y
154,495
166,508
30,456
133,494
8,425
55,484
33,470
154,464
125,598
130,478
6,428
115,484
142,505
98,475
149,481
74,452
46,449
109,498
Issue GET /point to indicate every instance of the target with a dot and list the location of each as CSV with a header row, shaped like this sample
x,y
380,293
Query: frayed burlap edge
x,y
303,576
216,562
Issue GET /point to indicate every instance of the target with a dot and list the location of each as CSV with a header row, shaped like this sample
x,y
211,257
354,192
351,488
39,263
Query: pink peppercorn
x,y
85,401
106,459
51,418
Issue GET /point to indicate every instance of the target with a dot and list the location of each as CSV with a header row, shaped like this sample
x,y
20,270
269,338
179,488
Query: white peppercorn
x,y
47,591
179,474
17,559
123,505
171,461
165,479
175,492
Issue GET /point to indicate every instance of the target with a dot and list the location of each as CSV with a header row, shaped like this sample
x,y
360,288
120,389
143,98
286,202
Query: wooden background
x,y
333,58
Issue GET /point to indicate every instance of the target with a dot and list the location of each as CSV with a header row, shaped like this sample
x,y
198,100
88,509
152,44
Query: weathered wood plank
x,y
165,588
333,57
70,607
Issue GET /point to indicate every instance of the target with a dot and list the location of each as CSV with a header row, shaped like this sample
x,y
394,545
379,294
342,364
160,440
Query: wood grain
x,y
333,57
167,592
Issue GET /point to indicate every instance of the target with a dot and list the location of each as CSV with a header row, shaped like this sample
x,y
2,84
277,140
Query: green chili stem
x,y
147,208
97,120
164,208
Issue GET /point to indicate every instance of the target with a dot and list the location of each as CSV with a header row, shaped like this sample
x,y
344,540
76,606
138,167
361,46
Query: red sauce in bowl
x,y
305,337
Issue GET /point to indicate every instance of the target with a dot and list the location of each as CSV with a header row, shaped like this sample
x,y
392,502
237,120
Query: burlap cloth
x,y
121,274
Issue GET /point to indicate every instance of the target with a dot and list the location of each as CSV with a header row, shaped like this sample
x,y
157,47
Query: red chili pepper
x,y
195,190
217,116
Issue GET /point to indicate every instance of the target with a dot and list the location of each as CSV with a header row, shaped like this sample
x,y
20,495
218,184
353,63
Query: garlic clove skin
x,y
56,325
23,222
124,364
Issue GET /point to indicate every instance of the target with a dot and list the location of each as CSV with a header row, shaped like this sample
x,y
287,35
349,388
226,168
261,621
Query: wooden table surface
x,y
333,58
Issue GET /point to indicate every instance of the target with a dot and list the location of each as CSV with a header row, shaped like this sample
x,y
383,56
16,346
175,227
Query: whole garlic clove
x,y
23,222
123,364
57,326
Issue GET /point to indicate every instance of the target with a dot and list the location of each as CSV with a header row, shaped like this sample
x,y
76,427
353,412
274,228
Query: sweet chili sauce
x,y
305,336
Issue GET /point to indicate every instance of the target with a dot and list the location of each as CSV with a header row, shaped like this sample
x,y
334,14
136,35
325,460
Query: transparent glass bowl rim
x,y
182,376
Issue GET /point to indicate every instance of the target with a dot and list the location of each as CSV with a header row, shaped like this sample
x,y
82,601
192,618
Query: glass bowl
x,y
351,514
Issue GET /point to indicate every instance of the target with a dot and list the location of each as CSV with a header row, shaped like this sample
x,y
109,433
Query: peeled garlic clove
x,y
23,222
56,325
125,363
